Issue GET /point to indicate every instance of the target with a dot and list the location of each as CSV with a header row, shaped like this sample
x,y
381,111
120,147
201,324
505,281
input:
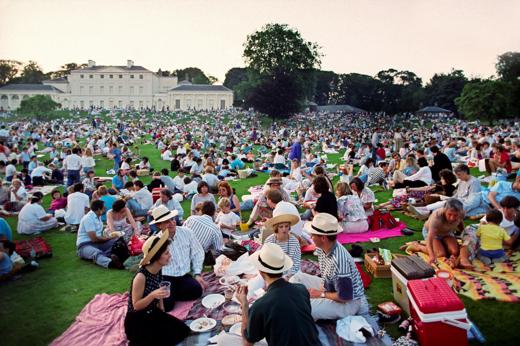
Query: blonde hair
x,y
343,189
224,202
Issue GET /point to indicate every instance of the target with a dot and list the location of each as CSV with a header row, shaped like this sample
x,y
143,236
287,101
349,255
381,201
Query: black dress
x,y
151,325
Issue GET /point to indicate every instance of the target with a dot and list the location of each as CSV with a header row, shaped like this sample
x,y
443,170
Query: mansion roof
x,y
29,87
200,87
122,67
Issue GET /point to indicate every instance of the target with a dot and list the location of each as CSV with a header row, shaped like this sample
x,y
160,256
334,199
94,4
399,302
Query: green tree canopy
x,y
508,66
443,89
8,70
487,100
39,106
279,47
192,74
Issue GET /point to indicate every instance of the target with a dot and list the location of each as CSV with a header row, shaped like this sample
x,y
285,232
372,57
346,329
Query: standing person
x,y
296,150
72,165
146,322
91,244
187,257
283,314
339,292
33,219
116,155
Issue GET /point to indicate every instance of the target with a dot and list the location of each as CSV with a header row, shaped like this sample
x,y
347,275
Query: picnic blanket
x,y
499,281
47,189
349,238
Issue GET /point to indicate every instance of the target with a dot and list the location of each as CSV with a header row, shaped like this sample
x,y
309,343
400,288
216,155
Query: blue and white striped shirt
x,y
187,254
206,231
291,249
337,264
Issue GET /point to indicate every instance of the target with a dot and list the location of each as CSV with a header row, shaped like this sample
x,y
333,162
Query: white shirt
x,y
279,159
10,170
39,171
423,174
179,182
88,161
72,162
227,219
76,204
144,198
29,218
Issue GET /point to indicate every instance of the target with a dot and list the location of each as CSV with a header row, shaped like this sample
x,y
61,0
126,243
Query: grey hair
x,y
454,204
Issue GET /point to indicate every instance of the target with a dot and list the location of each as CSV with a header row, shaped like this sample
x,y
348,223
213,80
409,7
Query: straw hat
x,y
162,213
271,259
323,224
284,212
149,251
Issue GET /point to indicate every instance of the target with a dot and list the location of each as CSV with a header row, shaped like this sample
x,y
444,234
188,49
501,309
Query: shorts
x,y
439,237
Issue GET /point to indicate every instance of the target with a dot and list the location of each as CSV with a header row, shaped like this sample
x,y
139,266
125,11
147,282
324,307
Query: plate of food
x,y
232,307
203,324
236,329
232,319
229,280
211,301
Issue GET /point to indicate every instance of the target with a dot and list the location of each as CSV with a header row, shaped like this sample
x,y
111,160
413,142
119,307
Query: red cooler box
x,y
439,317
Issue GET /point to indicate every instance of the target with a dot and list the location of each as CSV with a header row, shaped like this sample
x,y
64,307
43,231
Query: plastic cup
x,y
165,285
244,227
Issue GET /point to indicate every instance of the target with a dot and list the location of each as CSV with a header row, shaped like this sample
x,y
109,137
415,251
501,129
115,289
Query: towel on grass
x,y
349,238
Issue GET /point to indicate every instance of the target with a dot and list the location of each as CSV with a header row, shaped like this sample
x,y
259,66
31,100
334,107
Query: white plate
x,y
236,329
201,325
211,301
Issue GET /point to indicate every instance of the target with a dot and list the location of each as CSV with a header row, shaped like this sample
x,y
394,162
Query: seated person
x,y
351,214
202,195
226,219
120,219
5,230
364,193
58,201
187,257
156,182
77,205
339,291
91,244
283,314
492,239
146,322
33,219
141,201
205,230
500,190
166,199
438,231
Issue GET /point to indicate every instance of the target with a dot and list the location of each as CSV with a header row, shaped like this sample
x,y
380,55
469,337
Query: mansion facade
x,y
120,87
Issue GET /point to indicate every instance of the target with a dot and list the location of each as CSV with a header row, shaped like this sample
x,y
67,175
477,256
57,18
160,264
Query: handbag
x,y
120,249
135,245
233,251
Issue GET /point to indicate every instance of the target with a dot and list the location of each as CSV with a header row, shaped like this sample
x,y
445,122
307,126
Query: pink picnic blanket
x,y
101,322
345,238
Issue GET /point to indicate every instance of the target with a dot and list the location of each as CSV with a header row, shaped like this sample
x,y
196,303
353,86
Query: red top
x,y
434,295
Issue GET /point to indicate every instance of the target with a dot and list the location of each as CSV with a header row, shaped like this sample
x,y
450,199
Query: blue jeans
x,y
136,208
72,177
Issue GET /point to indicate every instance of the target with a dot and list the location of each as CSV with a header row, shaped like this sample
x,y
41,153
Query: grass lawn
x,y
38,307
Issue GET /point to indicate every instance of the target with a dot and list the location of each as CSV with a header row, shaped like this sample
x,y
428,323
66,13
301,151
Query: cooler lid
x,y
413,267
434,295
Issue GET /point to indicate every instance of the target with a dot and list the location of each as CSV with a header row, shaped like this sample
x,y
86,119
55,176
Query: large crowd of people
x,y
306,199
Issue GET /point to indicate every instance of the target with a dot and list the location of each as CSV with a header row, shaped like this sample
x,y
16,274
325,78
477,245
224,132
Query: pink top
x,y
59,203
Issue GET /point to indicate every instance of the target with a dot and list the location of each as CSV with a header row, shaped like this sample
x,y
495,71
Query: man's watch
x,y
322,295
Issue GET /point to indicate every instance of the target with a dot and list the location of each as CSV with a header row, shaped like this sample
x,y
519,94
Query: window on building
x,y
110,76
81,90
81,76
120,104
222,104
101,76
102,104
120,90
110,89
141,104
140,76
101,90
120,76
131,90
199,103
91,90
90,76
131,76
177,104
82,104
141,90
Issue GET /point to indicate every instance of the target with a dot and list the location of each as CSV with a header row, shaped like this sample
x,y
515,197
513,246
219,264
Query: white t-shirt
x,y
228,219
72,162
29,217
76,204
88,161
10,170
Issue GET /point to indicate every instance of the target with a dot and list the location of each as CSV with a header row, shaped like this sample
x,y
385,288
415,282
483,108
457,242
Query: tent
x,y
433,109
340,108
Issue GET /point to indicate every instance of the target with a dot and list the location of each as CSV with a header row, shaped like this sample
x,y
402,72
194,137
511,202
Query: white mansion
x,y
127,86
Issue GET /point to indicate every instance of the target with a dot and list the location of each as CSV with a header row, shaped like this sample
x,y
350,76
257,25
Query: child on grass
x,y
227,220
492,239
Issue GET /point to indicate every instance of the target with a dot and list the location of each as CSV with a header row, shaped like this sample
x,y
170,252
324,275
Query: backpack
x,y
382,220
33,248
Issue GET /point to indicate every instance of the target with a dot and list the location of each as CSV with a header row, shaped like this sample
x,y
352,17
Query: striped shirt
x,y
187,254
206,231
291,249
336,264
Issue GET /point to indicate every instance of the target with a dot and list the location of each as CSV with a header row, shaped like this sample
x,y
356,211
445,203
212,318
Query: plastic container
x,y
439,317
404,269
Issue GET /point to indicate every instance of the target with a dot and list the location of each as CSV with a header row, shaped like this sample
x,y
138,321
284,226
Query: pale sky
x,y
363,36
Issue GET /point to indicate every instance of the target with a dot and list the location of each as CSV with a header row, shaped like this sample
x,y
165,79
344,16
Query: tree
x,y
31,73
8,70
325,82
192,74
271,94
38,106
443,89
358,90
65,70
278,47
487,100
235,76
508,66
278,57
